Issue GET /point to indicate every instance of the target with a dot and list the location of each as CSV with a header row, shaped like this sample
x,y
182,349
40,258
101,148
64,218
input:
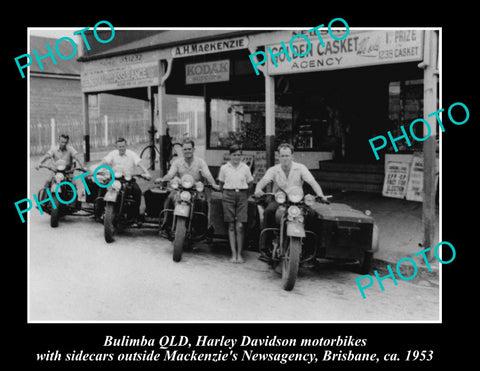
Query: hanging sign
x,y
128,71
415,179
360,48
396,178
214,71
208,47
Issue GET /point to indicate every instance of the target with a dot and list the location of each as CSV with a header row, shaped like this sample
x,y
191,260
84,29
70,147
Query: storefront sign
x,y
128,71
208,47
396,178
199,73
360,48
415,179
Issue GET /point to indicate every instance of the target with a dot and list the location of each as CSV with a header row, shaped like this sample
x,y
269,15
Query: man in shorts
x,y
235,180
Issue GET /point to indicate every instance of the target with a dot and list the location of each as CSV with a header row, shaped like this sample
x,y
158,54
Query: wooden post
x,y
430,79
152,130
162,112
105,138
52,131
86,127
269,119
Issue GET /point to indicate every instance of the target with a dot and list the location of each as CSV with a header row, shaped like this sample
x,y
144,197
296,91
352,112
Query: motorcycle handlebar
x,y
56,170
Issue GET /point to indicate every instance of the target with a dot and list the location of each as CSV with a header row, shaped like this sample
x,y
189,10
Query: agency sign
x,y
360,48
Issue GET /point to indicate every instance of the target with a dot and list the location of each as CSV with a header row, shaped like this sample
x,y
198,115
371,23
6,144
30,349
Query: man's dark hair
x,y
65,136
121,139
234,148
286,145
187,141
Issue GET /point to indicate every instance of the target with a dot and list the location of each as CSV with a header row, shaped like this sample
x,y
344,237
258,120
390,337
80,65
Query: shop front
x,y
327,103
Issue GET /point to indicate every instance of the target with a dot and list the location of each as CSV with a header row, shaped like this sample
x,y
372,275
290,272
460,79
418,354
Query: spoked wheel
x,y
290,263
179,240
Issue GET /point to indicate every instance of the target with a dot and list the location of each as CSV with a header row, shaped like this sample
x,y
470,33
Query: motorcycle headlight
x,y
185,196
294,211
309,200
187,181
103,179
199,186
61,165
174,183
117,185
295,194
59,177
280,197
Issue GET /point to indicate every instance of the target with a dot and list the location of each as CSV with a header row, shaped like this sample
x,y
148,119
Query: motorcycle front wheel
x,y
55,214
109,222
179,240
290,263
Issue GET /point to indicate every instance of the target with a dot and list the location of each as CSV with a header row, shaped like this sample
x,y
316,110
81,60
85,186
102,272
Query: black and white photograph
x,y
240,195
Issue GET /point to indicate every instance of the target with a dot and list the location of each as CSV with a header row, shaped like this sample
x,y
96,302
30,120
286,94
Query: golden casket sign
x,y
214,71
360,48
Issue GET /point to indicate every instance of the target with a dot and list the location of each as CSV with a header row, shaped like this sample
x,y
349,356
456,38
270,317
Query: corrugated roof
x,y
162,39
63,67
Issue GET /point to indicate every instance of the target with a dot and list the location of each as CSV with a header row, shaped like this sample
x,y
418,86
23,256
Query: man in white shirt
x,y
126,161
285,175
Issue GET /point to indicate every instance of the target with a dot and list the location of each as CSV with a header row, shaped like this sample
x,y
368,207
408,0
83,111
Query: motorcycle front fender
x,y
111,195
182,210
295,229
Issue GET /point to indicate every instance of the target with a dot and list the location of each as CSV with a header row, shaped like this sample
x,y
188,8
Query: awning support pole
x,y
86,127
430,80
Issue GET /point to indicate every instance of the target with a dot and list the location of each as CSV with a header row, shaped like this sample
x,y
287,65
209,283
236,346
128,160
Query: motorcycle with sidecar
x,y
118,206
309,230
189,217
72,204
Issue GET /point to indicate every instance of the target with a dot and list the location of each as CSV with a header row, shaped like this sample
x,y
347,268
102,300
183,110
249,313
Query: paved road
x,y
74,275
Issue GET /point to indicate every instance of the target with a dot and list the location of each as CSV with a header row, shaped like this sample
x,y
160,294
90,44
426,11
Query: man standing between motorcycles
x,y
194,166
284,175
235,181
127,160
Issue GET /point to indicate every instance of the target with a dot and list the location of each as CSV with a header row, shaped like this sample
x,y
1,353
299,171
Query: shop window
x,y
405,105
317,124
242,122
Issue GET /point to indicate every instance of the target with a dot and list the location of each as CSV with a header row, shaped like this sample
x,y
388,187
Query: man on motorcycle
x,y
284,175
194,166
127,160
62,151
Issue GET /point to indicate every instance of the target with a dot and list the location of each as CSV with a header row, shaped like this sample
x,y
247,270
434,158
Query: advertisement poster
x,y
92,286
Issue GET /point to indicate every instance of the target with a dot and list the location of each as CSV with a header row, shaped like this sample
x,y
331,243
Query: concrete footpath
x,y
399,221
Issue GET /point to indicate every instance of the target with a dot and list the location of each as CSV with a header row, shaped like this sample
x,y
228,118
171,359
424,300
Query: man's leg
x,y
137,196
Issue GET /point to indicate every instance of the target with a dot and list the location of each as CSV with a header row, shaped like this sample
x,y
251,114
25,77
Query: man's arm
x,y
43,159
262,183
171,172
308,177
77,157
146,173
208,175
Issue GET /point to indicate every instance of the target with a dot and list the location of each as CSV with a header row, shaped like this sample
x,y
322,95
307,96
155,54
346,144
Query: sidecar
x,y
347,234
